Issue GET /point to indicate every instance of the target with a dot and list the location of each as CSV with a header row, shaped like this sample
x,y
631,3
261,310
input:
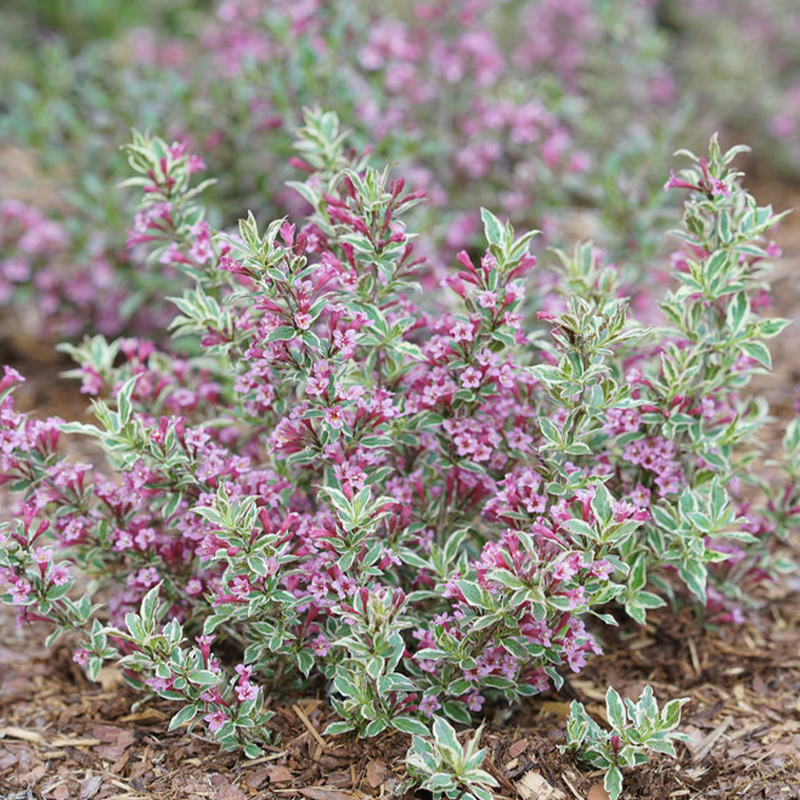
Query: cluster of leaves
x,y
447,769
429,502
635,729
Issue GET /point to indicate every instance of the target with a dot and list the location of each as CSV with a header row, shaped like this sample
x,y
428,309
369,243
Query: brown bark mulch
x,y
63,738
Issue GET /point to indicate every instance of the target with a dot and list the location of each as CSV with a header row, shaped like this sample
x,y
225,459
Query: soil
x,y
63,738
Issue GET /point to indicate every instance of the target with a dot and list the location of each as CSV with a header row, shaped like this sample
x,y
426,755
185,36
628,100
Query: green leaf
x,y
445,735
737,312
613,783
580,528
337,728
305,660
457,711
204,677
638,576
375,727
758,351
375,667
93,668
124,400
695,576
186,714
603,504
662,747
410,725
472,593
671,713
650,600
615,709
772,327
492,227
441,781
252,751
430,654
282,334
149,606
556,677
171,506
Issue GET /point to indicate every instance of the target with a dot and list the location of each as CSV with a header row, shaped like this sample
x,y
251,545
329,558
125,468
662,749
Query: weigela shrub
x,y
429,502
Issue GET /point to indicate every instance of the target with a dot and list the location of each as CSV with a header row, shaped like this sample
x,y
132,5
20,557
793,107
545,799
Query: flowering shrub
x,y
635,729
50,294
514,130
529,123
430,502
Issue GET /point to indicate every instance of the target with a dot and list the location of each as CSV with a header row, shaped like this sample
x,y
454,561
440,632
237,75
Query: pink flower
x,y
602,569
462,332
240,586
10,377
204,643
429,704
303,321
211,695
172,255
246,691
19,592
471,378
59,575
200,249
487,299
674,182
576,596
320,645
161,684
333,417
215,720
194,164
567,568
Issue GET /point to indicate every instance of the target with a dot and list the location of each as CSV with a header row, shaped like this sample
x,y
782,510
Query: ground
x,y
63,738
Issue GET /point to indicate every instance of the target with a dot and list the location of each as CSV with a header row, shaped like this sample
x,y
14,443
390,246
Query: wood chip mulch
x,y
62,738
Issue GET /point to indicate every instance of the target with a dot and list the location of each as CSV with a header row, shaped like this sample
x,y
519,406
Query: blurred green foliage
x,y
27,25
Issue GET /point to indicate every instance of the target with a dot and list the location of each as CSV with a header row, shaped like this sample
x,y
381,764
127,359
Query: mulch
x,y
63,738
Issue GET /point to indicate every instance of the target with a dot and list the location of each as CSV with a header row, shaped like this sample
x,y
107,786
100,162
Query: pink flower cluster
x,y
36,253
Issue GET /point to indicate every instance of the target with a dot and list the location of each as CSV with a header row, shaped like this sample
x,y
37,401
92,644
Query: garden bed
x,y
62,737
385,492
